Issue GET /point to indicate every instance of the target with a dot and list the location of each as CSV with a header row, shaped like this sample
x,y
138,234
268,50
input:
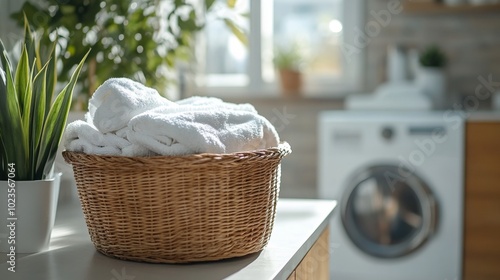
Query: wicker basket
x,y
179,209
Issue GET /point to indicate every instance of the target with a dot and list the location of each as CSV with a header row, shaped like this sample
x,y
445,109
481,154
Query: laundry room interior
x,y
338,135
391,109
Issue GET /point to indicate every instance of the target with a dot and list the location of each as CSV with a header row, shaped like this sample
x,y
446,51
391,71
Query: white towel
x,y
134,150
209,102
201,129
122,132
117,100
81,136
83,130
83,146
199,100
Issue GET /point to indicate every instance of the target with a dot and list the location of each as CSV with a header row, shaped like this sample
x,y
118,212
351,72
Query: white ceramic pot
x,y
432,82
35,210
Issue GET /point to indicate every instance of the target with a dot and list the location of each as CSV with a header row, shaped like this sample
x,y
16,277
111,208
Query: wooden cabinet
x,y
482,201
315,265
440,8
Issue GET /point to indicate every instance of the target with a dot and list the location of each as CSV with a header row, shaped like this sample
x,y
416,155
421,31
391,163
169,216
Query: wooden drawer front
x,y
316,264
483,159
482,202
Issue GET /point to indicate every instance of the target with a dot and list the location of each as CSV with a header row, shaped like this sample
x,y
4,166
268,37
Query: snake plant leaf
x,y
12,122
3,153
3,160
31,126
23,86
38,107
54,125
3,82
3,60
29,41
51,79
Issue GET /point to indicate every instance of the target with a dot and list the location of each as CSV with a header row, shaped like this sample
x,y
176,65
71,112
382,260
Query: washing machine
x,y
398,178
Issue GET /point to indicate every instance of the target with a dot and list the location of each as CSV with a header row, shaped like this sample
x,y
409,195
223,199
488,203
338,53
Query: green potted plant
x,y
140,40
431,77
288,62
32,121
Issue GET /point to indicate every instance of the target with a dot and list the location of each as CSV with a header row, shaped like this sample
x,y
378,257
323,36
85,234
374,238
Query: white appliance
x,y
391,96
398,177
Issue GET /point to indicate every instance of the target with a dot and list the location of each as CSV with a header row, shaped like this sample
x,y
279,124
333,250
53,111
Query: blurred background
x,y
341,48
295,59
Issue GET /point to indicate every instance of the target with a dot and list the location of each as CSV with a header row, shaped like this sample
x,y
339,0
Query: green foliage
x,y
31,125
432,57
137,39
288,57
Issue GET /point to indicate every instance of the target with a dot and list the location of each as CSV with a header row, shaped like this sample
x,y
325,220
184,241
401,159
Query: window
x,y
317,27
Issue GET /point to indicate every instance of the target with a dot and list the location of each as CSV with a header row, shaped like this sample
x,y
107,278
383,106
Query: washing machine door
x,y
388,212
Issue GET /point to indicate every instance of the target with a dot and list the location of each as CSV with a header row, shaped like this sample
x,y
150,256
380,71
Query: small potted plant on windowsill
x,y
288,61
431,77
31,128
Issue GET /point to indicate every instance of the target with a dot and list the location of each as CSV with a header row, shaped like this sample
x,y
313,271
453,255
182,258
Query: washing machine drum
x,y
388,212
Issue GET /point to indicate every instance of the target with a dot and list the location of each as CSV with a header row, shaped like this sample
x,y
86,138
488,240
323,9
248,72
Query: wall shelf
x,y
440,8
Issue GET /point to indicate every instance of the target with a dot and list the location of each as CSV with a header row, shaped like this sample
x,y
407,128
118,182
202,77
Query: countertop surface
x,y
483,116
72,256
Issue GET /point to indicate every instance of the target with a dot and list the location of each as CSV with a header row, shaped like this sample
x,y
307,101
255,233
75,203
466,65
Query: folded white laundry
x,y
122,132
84,131
201,129
204,102
128,119
199,100
83,146
117,100
81,136
134,150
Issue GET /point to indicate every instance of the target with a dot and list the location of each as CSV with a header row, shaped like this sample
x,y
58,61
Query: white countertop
x,y
72,256
483,116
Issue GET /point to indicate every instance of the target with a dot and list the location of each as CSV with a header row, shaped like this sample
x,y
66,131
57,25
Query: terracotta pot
x,y
291,81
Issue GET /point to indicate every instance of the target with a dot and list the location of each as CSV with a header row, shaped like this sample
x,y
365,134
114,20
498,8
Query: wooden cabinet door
x,y
482,202
316,264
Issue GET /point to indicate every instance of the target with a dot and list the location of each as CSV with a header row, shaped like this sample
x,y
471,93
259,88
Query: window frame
x,y
352,81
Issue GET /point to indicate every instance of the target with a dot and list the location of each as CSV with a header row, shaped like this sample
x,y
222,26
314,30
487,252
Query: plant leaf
x,y
3,153
237,31
3,59
38,114
3,160
29,41
11,122
22,81
231,3
51,79
208,4
54,125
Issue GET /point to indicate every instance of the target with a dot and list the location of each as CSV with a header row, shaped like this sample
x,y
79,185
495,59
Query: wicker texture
x,y
192,208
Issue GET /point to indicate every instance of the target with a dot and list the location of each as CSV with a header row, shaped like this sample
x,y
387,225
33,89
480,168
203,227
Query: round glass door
x,y
388,213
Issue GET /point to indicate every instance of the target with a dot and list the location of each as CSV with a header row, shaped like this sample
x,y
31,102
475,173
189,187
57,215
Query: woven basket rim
x,y
280,151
